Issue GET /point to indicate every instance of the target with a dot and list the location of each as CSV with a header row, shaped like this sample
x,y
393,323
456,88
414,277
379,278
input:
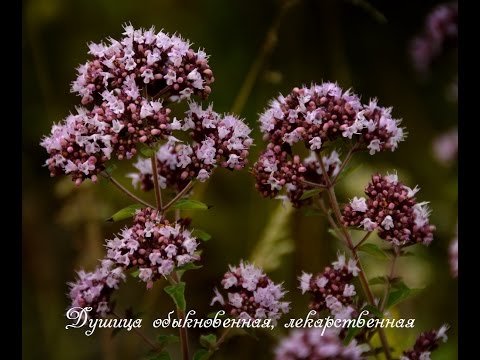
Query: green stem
x,y
390,278
182,330
268,45
367,235
178,196
124,190
345,162
219,342
156,185
313,184
143,336
363,278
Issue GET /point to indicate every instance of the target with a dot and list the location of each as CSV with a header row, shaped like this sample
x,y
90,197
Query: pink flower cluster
x,y
426,343
124,87
274,171
144,62
251,294
321,113
152,245
332,289
440,30
83,142
218,140
314,116
392,210
315,344
95,288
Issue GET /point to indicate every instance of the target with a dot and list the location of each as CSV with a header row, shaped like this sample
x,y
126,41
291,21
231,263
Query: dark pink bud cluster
x,y
392,209
317,344
94,289
152,245
217,140
331,289
275,171
144,63
251,294
440,31
426,343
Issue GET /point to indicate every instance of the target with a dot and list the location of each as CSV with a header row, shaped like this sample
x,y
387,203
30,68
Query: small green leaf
x,y
165,340
397,296
208,341
201,354
147,151
398,284
335,234
135,273
185,204
177,293
310,193
161,356
190,266
373,250
125,213
402,253
378,280
202,235
351,333
373,310
111,168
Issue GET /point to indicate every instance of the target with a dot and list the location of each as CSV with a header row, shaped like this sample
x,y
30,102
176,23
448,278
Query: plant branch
x,y
367,235
217,344
124,190
143,336
390,277
178,196
330,219
267,47
363,278
182,330
345,162
313,184
156,185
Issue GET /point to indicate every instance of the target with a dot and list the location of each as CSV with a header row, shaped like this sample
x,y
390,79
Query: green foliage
x,y
310,193
276,240
373,250
208,341
202,235
201,354
177,293
187,204
400,292
125,213
165,340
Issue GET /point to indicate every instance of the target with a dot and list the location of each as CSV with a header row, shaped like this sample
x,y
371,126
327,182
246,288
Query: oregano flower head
x,y
392,209
251,294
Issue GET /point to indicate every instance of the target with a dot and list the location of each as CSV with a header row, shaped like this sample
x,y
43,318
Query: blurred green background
x,y
64,227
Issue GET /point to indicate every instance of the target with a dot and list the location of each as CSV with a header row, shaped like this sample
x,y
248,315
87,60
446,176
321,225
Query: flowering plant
x,y
131,91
